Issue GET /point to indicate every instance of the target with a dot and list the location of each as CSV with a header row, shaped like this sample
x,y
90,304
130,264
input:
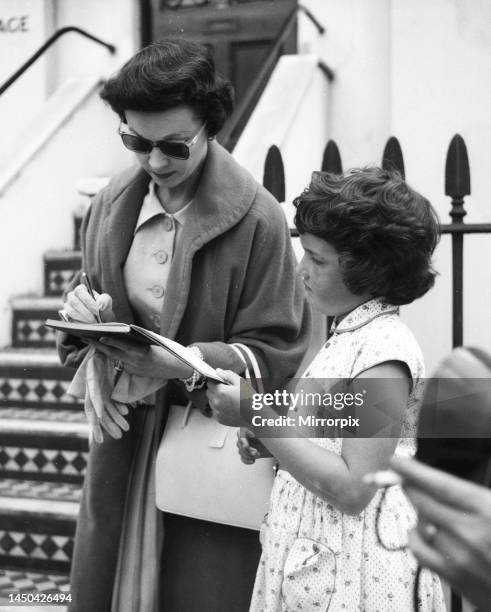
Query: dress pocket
x,y
309,576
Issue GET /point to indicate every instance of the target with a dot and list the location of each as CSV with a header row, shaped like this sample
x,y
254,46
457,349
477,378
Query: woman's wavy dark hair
x,y
384,231
166,74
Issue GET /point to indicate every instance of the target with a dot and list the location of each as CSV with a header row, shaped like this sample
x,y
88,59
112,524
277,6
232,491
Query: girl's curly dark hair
x,y
384,231
169,73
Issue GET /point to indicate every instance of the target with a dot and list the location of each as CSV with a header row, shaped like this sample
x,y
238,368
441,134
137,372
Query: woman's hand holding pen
x,y
84,304
80,305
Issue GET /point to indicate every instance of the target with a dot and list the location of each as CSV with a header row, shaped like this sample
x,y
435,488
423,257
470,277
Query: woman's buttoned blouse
x,y
146,269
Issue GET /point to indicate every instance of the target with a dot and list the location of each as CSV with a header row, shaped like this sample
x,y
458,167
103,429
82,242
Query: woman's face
x,y
321,273
177,124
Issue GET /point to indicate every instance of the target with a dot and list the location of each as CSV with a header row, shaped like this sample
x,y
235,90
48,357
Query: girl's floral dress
x,y
315,558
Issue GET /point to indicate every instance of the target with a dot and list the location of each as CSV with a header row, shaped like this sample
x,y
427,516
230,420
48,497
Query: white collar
x,y
363,314
152,207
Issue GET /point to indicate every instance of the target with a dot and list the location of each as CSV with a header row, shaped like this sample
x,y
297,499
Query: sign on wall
x,y
14,23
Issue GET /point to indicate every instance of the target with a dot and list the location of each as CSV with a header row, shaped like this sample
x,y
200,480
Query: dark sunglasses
x,y
138,144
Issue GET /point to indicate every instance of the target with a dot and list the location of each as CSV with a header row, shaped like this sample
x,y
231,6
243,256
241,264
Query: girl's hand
x,y
225,399
80,306
250,448
150,361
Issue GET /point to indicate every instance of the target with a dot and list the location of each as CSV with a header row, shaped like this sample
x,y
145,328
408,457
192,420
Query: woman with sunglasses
x,y
186,244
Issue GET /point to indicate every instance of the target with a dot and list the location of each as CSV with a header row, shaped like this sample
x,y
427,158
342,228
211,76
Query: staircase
x,y
43,444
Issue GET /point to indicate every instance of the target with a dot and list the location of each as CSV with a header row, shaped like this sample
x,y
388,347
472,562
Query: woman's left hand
x,y
225,399
151,361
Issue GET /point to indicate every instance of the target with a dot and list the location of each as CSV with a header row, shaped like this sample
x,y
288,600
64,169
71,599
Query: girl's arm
x,y
334,478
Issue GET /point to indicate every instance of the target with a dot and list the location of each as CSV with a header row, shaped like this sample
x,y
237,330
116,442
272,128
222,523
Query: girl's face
x,y
321,273
177,124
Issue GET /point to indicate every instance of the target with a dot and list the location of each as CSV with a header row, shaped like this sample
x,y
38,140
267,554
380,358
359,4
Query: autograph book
x,y
135,333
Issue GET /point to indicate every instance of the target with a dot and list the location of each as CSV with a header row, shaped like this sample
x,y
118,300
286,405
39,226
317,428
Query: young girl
x,y
328,543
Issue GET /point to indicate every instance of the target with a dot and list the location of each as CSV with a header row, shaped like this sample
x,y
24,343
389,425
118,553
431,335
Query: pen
x,y
87,283
63,315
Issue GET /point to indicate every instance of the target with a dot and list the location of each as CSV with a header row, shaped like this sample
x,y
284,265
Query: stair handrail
x,y
52,39
230,133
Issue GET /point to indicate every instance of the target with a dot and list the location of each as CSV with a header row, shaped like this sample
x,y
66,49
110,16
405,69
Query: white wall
x,y
285,116
38,206
440,85
356,46
115,21
24,26
418,70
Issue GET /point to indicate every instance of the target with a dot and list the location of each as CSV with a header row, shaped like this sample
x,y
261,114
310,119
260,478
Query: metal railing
x,y
232,130
457,186
52,39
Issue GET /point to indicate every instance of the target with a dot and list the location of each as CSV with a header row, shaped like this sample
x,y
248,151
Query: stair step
x,y
15,582
51,446
34,378
38,522
28,316
59,268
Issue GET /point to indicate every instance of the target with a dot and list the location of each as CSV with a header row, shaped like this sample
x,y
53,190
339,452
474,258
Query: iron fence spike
x,y
457,173
331,160
392,158
274,173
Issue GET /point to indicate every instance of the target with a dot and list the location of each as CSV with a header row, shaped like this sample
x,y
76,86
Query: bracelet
x,y
196,380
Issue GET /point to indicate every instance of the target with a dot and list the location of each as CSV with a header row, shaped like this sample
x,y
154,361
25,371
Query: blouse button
x,y
156,319
167,223
161,257
157,291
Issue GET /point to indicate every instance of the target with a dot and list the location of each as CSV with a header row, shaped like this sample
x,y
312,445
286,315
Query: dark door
x,y
239,32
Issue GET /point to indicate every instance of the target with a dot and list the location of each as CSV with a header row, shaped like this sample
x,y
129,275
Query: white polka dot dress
x,y
315,558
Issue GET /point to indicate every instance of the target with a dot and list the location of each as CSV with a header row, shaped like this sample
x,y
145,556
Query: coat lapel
x,y
225,194
117,235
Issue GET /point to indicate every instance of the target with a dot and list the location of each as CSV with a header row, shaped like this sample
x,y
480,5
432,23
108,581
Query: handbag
x,y
199,472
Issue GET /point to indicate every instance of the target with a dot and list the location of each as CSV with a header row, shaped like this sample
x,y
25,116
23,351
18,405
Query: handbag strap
x,y
236,350
253,373
252,370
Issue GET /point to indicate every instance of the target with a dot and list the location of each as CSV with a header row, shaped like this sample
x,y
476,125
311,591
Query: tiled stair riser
x,y
40,544
43,439
13,582
28,329
37,524
37,386
42,458
58,272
